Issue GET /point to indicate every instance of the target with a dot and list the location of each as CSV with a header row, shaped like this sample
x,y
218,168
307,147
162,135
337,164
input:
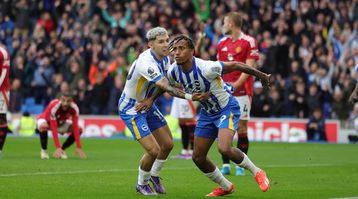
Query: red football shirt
x,y
4,65
55,116
239,50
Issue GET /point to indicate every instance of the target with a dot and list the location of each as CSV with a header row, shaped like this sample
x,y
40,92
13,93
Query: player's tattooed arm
x,y
232,66
145,104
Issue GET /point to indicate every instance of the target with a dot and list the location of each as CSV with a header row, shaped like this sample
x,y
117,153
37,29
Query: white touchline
x,y
126,170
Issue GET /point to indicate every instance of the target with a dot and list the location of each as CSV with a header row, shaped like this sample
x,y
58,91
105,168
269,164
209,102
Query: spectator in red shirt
x,y
60,116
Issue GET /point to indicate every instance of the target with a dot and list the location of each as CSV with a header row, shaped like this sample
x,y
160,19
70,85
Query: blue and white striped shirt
x,y
204,76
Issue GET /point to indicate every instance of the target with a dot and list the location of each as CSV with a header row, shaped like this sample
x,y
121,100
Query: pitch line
x,y
130,170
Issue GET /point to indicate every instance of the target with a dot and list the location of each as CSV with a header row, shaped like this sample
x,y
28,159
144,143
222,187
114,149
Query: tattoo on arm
x,y
164,85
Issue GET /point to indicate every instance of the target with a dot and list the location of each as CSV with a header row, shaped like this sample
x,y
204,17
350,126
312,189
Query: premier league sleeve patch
x,y
151,72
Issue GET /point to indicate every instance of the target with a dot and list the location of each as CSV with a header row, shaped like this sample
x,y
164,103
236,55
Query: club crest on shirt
x,y
238,49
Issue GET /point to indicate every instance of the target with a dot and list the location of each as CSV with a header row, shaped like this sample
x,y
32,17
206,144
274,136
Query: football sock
x,y
157,166
143,177
3,133
217,177
69,141
184,136
43,139
243,142
226,165
184,151
226,160
247,164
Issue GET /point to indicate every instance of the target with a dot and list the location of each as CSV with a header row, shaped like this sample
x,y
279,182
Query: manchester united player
x,y
4,94
238,46
60,116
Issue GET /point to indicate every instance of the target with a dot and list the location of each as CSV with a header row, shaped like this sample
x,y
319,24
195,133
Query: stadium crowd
x,y
87,47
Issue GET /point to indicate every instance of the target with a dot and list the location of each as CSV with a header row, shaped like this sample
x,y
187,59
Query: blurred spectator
x,y
114,95
316,127
99,96
260,102
16,96
26,125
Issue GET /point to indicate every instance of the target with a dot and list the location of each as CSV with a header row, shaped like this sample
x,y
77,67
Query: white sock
x,y
190,152
143,177
218,178
184,151
157,166
226,165
247,164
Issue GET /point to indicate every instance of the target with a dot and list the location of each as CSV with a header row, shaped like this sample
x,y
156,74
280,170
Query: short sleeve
x,y
212,69
253,52
149,71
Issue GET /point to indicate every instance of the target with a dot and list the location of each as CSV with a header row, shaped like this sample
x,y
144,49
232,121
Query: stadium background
x,y
309,47
86,47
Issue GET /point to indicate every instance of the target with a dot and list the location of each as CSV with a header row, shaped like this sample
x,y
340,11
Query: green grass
x,y
295,171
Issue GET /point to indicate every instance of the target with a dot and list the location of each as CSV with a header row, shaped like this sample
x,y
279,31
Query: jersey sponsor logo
x,y
144,127
224,49
197,85
230,57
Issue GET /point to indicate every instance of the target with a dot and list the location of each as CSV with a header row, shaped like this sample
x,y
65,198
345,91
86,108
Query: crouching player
x,y
60,116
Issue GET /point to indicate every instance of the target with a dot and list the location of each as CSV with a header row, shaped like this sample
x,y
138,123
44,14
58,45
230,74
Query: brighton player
x,y
146,80
4,95
237,46
219,115
60,116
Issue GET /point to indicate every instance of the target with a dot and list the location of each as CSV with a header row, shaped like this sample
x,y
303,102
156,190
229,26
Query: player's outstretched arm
x,y
232,66
164,85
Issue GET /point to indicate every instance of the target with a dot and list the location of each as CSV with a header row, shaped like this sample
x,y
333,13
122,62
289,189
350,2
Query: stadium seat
x,y
29,101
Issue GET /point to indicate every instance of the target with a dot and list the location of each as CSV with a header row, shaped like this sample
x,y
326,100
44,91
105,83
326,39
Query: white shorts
x,y
245,106
62,129
4,101
182,108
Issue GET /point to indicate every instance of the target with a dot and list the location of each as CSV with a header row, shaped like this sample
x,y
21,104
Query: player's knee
x,y
153,152
167,146
198,158
43,128
224,150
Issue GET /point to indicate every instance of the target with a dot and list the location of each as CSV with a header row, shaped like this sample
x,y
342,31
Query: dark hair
x,y
67,94
178,38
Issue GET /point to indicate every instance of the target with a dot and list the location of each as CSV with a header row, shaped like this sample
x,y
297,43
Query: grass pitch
x,y
295,171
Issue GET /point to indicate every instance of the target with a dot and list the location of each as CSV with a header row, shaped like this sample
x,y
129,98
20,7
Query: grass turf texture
x,y
295,171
